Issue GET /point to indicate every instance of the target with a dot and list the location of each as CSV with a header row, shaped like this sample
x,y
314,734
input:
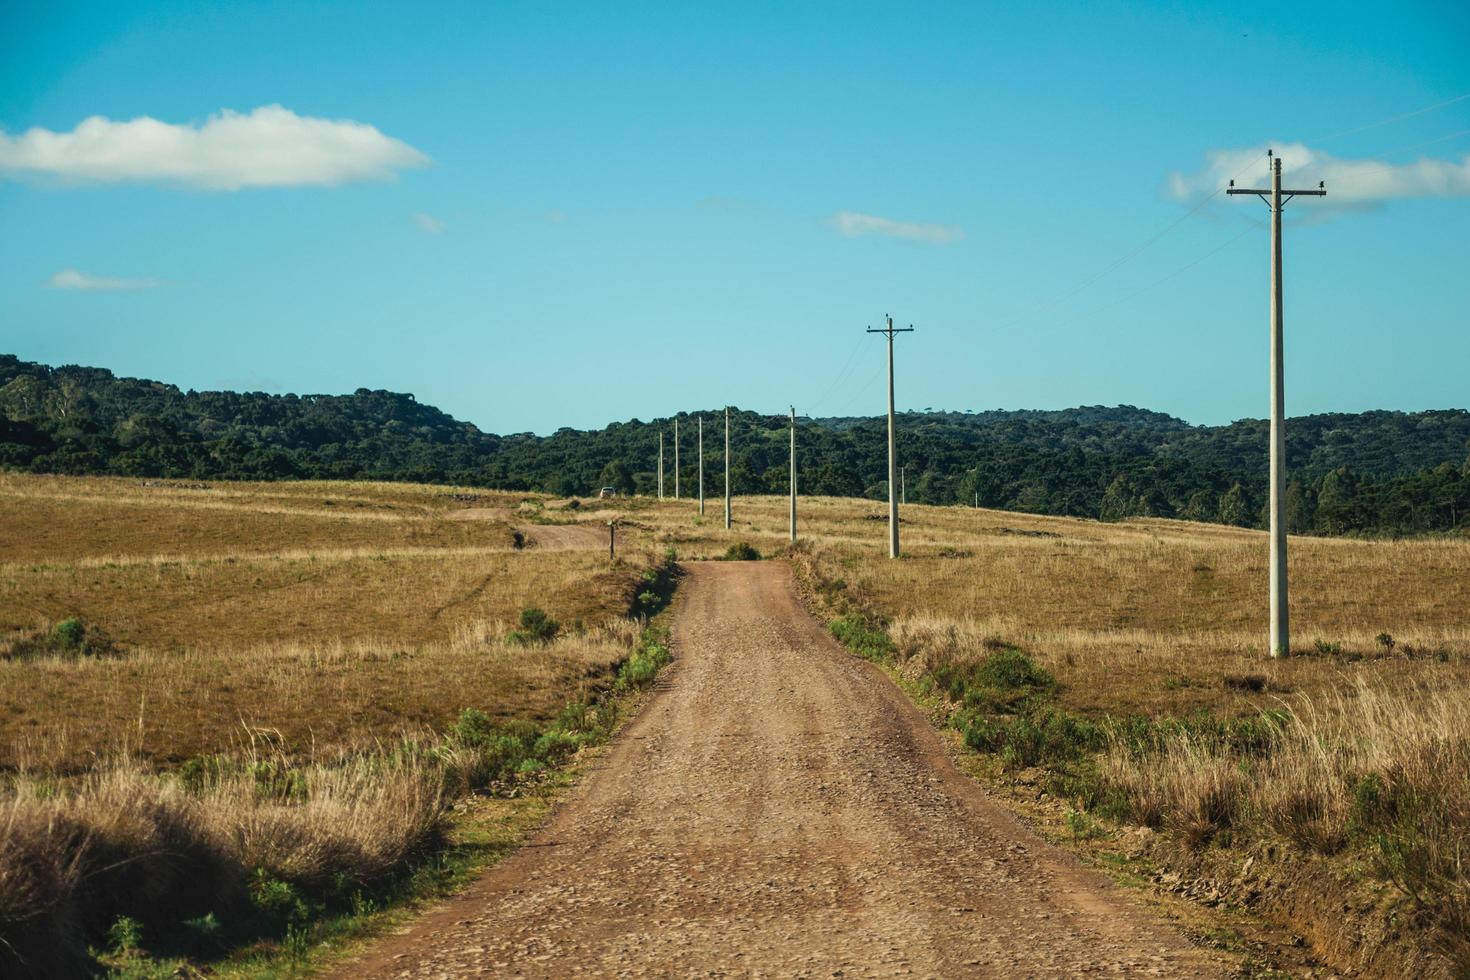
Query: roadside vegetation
x,y
197,772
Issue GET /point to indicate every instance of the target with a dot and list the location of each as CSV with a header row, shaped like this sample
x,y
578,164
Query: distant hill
x,y
1379,472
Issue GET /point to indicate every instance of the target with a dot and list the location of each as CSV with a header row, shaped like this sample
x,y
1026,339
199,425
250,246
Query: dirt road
x,y
780,808
547,537
565,537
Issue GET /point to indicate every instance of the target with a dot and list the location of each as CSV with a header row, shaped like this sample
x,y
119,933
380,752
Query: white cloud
x,y
268,147
853,224
72,279
428,223
1349,182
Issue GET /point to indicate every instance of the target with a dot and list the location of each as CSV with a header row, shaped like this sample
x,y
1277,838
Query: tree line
x,y
1371,472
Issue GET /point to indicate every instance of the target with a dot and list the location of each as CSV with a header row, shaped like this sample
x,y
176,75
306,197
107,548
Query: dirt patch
x,y
565,537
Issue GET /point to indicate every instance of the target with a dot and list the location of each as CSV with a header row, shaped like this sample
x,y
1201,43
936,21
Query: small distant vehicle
x,y
607,492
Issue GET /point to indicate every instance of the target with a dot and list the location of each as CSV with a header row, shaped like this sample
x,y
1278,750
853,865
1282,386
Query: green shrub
x,y
276,900
536,627
741,551
554,746
867,640
1007,681
125,935
1046,736
473,729
649,654
69,636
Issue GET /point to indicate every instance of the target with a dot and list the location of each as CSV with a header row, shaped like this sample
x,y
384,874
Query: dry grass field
x,y
264,699
1147,615
314,615
298,625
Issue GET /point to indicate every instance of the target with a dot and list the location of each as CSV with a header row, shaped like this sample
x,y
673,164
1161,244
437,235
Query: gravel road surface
x,y
781,809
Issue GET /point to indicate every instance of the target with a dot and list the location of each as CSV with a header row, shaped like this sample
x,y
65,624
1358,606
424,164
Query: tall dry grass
x,y
1385,770
259,839
120,840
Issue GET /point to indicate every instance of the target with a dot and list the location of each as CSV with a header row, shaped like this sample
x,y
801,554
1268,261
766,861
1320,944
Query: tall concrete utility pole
x,y
701,466
889,331
1276,199
660,466
727,469
676,459
793,474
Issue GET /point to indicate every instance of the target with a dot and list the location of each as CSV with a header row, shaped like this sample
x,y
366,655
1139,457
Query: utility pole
x,y
676,458
793,474
701,466
889,331
660,465
1280,615
727,469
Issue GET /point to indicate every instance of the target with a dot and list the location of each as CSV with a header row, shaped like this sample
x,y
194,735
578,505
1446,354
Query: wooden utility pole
x,y
727,469
793,474
889,331
701,466
1276,199
676,459
660,466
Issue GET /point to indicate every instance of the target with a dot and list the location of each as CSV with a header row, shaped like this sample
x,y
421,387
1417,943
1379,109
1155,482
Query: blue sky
x,y
537,215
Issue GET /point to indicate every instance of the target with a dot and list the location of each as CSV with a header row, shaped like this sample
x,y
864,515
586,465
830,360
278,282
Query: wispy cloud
x,y
854,223
428,223
268,147
72,279
1353,183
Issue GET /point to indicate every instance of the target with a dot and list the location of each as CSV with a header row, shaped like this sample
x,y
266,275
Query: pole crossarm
x,y
1264,193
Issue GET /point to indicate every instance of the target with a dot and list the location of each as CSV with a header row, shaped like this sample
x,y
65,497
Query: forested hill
x,y
1370,472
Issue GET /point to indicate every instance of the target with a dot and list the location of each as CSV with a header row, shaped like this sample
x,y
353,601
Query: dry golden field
x,y
313,615
1147,615
297,622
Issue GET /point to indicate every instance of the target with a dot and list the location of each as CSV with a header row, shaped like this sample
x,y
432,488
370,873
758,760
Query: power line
x,y
1163,279
850,363
1353,175
1137,250
1390,120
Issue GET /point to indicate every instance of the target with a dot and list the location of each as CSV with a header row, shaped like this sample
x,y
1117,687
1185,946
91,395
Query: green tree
x,y
1234,507
615,474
